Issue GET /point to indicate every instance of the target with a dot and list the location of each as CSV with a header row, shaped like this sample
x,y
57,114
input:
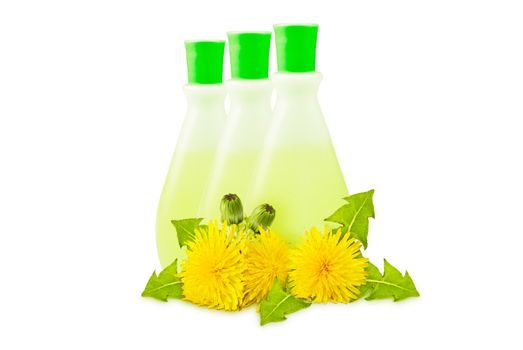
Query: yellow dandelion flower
x,y
212,272
327,267
267,258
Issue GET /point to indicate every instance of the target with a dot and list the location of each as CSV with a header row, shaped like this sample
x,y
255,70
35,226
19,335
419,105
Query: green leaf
x,y
166,285
278,304
374,274
391,285
355,215
185,229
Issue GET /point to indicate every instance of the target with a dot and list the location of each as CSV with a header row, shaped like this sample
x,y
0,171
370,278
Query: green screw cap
x,y
249,54
205,61
296,47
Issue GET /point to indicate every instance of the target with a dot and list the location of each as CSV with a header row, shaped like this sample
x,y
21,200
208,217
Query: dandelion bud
x,y
231,209
263,215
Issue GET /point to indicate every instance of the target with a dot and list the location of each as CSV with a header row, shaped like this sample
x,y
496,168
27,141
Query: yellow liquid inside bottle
x,y
240,145
190,166
303,191
298,173
179,199
232,176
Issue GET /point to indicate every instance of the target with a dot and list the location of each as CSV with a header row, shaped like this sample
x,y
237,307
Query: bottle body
x,y
240,145
298,172
190,165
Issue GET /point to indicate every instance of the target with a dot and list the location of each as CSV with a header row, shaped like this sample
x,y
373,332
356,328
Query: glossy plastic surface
x,y
298,172
190,166
240,146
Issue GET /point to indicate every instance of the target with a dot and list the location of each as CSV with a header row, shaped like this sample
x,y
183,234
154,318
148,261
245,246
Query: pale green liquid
x,y
304,184
180,198
233,175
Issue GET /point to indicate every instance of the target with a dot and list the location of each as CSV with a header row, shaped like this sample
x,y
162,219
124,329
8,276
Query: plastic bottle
x,y
298,172
244,132
196,147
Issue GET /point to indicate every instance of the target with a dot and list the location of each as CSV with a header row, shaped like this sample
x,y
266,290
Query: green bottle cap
x,y
205,61
296,47
249,54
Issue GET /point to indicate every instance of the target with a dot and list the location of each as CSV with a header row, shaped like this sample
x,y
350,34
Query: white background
x,y
424,103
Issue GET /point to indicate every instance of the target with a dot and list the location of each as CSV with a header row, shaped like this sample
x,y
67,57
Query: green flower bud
x,y
263,215
231,209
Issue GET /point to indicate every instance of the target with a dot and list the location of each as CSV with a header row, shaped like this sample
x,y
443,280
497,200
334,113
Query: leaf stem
x,y
388,283
277,306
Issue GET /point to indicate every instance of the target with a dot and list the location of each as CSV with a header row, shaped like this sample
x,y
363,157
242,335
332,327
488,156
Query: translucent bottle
x,y
196,147
298,172
248,121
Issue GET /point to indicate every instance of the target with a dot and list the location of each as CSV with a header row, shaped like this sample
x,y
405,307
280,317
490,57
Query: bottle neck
x,y
205,96
251,94
298,87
